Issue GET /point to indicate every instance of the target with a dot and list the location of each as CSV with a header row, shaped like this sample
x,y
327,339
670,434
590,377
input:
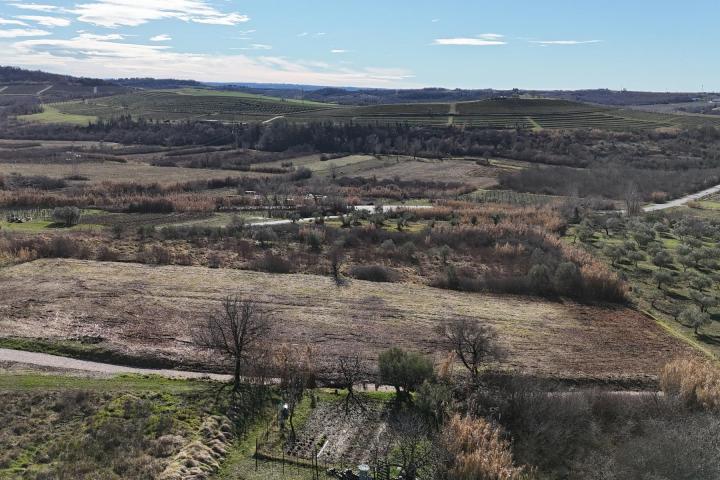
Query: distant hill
x,y
18,85
157,83
19,75
355,96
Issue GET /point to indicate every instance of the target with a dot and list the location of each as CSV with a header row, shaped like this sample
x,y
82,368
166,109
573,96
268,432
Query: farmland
x,y
151,312
53,91
189,104
497,113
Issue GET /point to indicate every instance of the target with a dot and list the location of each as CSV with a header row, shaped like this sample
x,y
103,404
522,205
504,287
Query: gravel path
x,y
682,201
54,361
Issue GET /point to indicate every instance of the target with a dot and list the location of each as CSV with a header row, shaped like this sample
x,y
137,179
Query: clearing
x,y
150,312
98,172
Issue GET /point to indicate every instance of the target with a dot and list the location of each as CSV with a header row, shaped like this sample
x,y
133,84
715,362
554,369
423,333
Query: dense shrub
x,y
301,173
273,264
38,182
151,205
373,273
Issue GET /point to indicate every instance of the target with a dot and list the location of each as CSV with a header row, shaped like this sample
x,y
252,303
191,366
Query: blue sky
x,y
635,44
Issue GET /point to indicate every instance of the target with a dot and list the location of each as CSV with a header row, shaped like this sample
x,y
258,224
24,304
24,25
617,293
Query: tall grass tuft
x,y
696,382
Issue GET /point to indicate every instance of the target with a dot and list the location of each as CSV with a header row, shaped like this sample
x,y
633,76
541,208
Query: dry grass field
x,y
121,172
152,311
427,170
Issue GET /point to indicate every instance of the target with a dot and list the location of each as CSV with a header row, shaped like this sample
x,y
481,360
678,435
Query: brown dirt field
x,y
462,171
121,172
144,310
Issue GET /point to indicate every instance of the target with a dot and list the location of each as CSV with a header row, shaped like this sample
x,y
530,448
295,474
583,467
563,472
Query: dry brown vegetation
x,y
152,311
696,382
478,451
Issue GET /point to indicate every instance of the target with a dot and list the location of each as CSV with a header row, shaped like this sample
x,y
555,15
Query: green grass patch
x,y
44,225
51,114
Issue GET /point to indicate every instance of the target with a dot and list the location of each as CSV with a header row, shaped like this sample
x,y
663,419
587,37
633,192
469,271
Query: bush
x,y
64,247
373,273
106,254
273,264
405,371
265,236
301,173
68,216
151,205
39,182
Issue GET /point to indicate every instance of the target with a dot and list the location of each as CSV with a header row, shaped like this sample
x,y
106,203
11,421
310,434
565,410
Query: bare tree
x,y
296,376
632,201
236,331
351,370
472,342
337,257
413,450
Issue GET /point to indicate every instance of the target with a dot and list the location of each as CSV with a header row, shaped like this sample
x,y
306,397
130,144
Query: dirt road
x,y
54,361
359,208
682,201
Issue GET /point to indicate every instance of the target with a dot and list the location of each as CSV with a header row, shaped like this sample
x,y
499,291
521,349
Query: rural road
x,y
54,361
270,120
452,113
44,90
682,201
360,208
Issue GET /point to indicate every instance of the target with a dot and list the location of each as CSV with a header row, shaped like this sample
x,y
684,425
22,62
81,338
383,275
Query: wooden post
x,y
256,454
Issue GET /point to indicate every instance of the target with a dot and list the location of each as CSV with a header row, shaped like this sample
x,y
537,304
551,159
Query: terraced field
x,y
51,90
189,103
499,113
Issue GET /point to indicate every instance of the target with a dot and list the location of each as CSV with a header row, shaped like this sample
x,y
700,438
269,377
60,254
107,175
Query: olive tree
x,y
405,371
694,318
68,216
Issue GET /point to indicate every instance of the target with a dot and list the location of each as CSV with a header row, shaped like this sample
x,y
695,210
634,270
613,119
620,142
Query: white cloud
x,y
320,34
89,56
22,32
37,7
491,36
339,50
131,13
564,42
303,34
88,46
4,21
161,38
435,20
228,19
468,41
46,21
93,36
255,46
